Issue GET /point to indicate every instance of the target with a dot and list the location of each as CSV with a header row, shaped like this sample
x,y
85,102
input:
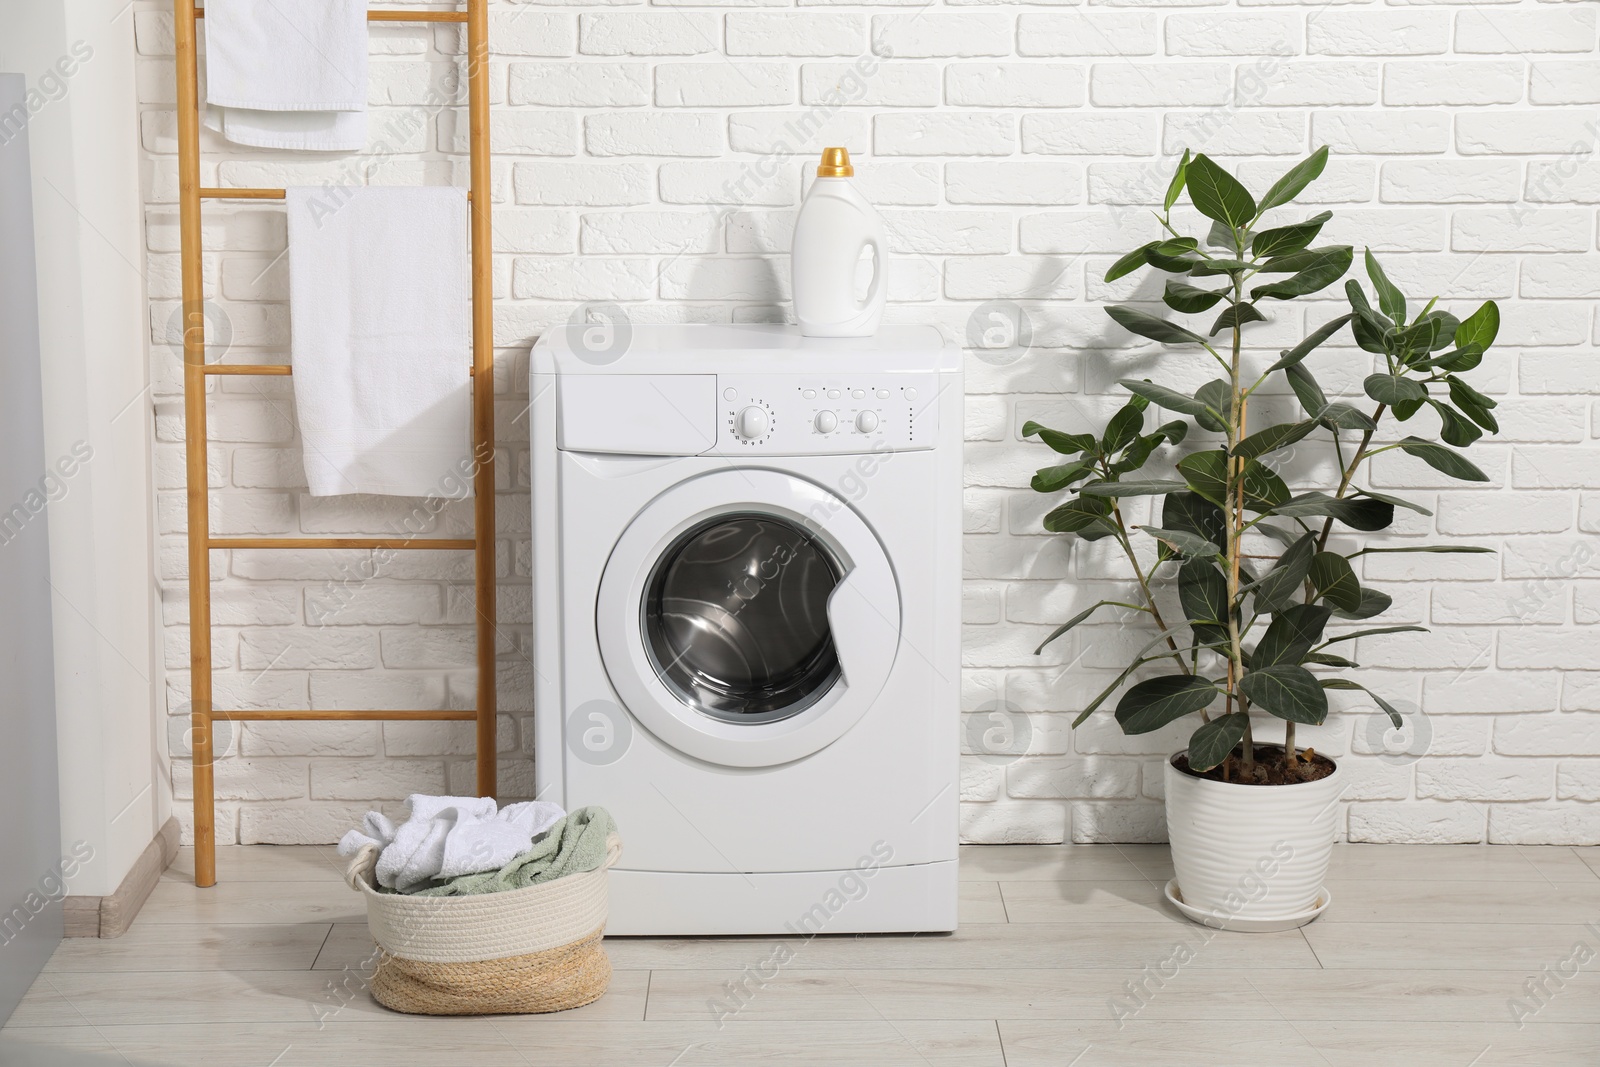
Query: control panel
x,y
793,414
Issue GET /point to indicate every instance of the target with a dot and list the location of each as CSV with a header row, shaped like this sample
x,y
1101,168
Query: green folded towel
x,y
572,846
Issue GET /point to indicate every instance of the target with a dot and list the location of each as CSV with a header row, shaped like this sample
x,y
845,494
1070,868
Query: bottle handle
x,y
880,273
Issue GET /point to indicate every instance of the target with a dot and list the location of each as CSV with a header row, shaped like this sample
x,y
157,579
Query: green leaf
x,y
1175,187
1287,239
1069,444
1217,396
1070,623
1479,328
1334,581
1124,426
1346,417
1277,588
1130,262
1288,691
1372,603
1207,267
1376,631
1085,516
1392,389
1291,184
1189,299
1273,437
1306,389
1328,659
1170,399
1207,474
1473,404
1317,269
1394,500
1172,255
1345,683
1442,459
1147,325
1390,299
1448,324
1174,432
1458,361
1442,549
1236,315
1054,479
1153,703
1292,633
1203,593
1291,356
1151,487
1216,740
1455,428
1195,515
1357,513
1138,661
1183,542
1263,489
1414,342
1216,194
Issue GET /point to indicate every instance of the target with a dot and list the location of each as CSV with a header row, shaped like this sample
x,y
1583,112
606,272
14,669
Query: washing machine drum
x,y
748,617
736,618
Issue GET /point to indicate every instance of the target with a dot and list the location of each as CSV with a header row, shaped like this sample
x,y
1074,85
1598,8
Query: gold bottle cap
x,y
835,164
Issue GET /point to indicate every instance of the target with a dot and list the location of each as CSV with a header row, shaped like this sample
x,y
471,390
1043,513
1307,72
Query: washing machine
x,y
746,588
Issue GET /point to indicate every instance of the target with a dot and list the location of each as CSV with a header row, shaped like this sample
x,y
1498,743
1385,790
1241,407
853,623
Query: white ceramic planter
x,y
1251,857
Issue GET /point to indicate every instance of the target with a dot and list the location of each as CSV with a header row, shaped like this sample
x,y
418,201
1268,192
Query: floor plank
x,y
263,863
254,903
1444,946
1087,902
1023,945
196,947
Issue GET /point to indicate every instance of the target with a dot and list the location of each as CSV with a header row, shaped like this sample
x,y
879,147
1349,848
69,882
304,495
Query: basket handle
x,y
358,875
613,851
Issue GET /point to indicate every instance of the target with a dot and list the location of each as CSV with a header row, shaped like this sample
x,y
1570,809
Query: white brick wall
x,y
652,156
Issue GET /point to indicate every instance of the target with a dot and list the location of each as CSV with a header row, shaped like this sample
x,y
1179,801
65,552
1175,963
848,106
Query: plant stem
x,y
1288,744
1350,473
1144,588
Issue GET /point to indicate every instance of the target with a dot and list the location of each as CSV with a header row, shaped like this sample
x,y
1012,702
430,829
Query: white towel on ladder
x,y
380,337
288,73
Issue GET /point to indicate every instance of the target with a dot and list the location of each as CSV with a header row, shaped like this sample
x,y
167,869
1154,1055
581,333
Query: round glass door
x,y
735,618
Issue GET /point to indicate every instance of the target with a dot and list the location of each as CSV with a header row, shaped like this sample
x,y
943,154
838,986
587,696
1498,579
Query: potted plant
x,y
1262,571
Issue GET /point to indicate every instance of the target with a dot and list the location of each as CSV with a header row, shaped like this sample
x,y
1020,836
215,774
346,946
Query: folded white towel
x,y
380,336
448,836
288,73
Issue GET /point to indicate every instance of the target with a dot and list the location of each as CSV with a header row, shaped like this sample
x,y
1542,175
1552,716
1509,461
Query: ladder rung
x,y
270,369
394,16
462,544
246,193
345,716
246,368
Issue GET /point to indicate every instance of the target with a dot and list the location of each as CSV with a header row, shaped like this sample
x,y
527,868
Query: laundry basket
x,y
535,949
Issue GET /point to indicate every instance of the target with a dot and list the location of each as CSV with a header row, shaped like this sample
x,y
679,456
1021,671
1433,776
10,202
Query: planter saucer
x,y
1221,921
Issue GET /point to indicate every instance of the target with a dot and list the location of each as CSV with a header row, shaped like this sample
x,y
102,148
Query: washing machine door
x,y
748,617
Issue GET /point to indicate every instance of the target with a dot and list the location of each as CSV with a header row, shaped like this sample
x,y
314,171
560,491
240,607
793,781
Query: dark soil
x,y
1269,767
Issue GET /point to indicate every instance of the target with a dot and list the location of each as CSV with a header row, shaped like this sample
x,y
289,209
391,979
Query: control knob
x,y
752,423
867,421
826,422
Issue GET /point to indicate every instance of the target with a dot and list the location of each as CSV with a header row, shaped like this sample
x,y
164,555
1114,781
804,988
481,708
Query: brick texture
x,y
652,158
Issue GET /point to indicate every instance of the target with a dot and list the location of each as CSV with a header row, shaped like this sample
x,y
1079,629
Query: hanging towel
x,y
288,73
380,338
572,845
447,837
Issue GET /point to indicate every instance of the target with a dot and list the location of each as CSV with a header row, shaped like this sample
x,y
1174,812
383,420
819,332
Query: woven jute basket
x,y
525,950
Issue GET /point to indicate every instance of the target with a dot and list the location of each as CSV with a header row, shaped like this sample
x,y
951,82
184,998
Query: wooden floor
x,y
1420,961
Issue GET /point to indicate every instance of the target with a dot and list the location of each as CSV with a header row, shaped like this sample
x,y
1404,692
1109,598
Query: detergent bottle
x,y
834,227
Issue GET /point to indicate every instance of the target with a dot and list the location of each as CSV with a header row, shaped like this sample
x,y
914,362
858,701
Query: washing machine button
x,y
730,393
833,394
867,421
883,394
826,422
809,394
911,394
752,423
